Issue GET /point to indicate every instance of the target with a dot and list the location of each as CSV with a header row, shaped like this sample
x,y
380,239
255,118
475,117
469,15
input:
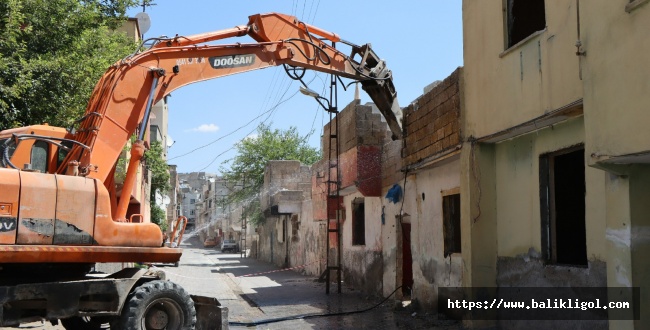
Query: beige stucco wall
x,y
389,232
423,202
615,72
517,191
503,89
372,225
363,264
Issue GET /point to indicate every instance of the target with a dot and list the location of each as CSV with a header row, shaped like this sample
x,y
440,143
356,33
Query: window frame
x,y
548,213
44,146
358,222
507,32
456,240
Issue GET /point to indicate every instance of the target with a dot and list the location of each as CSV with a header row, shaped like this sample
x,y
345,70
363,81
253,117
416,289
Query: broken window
x,y
451,223
525,17
562,206
358,222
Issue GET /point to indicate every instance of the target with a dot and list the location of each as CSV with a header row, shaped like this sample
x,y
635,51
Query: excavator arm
x,y
120,103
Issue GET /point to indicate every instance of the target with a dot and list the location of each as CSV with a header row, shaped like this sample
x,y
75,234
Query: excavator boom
x,y
75,201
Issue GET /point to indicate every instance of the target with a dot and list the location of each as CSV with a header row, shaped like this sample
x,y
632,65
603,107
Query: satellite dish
x,y
143,21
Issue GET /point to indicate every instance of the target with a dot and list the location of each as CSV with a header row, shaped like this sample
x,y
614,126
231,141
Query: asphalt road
x,y
257,301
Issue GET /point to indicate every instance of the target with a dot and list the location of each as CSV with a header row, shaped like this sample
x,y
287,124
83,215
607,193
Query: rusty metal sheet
x,y
37,208
10,188
75,210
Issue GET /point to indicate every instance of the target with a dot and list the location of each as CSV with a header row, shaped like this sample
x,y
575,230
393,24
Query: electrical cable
x,y
6,159
401,208
310,9
270,111
236,130
315,11
311,316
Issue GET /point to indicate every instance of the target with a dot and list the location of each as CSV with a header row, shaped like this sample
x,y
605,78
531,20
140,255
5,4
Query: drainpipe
x,y
286,242
579,51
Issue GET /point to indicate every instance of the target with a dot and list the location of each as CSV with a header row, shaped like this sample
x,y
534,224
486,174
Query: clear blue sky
x,y
421,42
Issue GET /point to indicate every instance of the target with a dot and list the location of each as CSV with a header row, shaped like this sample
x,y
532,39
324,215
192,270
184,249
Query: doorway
x,y
407,260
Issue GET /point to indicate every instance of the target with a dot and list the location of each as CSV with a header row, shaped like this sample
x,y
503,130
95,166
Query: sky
x,y
421,42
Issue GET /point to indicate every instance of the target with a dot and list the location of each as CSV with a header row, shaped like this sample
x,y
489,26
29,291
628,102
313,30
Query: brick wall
x,y
432,121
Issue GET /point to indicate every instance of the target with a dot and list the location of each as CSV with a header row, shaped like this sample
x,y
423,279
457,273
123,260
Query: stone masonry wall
x,y
391,163
432,121
358,125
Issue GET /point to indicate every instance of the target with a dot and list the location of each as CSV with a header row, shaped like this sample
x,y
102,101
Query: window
x,y
451,221
39,156
562,206
524,17
191,212
155,133
192,201
358,222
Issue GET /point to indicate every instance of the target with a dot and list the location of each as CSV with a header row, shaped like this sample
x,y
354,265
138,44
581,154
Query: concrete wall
x,y
615,77
289,237
506,87
518,202
363,264
520,262
616,98
391,174
307,242
423,202
282,176
272,248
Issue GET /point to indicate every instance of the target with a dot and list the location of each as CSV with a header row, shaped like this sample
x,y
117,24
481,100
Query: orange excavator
x,y
60,210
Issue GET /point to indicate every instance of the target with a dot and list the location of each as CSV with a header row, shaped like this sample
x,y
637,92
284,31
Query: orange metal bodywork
x,y
59,210
69,216
85,254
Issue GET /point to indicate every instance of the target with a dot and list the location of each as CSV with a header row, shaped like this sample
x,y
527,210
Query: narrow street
x,y
277,294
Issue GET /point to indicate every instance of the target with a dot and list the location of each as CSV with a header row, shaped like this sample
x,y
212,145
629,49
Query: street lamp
x,y
315,95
